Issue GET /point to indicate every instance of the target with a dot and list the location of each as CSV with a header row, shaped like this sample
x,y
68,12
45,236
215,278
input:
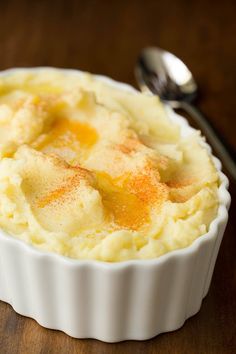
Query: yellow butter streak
x,y
65,132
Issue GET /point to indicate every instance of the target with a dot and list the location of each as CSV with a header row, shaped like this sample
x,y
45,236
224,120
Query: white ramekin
x,y
112,301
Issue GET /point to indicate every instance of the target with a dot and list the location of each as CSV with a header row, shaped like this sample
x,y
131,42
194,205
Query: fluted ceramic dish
x,y
112,302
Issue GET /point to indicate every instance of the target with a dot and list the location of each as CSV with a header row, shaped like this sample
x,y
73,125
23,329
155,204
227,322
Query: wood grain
x,y
105,37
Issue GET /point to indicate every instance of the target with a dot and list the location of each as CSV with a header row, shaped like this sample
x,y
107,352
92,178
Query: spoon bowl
x,y
166,75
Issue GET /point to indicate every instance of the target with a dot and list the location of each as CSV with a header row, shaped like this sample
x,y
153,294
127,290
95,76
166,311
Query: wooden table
x,y
105,37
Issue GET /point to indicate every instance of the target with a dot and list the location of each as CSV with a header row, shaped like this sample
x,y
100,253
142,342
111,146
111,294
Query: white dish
x,y
112,301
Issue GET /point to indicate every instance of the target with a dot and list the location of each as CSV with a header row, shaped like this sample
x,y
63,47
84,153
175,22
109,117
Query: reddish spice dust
x,y
129,146
67,186
129,201
146,186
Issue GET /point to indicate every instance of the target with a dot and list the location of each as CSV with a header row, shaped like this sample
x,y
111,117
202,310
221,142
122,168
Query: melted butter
x,y
129,198
66,133
126,209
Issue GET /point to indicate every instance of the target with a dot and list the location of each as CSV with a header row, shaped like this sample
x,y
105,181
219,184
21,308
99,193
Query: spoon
x,y
163,74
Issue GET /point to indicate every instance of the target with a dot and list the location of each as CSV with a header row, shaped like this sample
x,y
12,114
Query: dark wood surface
x,y
105,37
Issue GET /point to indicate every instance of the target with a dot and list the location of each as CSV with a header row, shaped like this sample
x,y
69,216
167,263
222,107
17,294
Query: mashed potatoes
x,y
93,172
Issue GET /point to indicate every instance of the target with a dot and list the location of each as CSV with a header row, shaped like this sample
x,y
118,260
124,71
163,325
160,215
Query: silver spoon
x,y
163,74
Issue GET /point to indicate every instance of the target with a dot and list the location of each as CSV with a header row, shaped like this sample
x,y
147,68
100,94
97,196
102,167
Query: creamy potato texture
x,y
90,171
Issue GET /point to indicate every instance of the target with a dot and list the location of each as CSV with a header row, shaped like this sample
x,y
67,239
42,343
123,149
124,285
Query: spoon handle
x,y
217,143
